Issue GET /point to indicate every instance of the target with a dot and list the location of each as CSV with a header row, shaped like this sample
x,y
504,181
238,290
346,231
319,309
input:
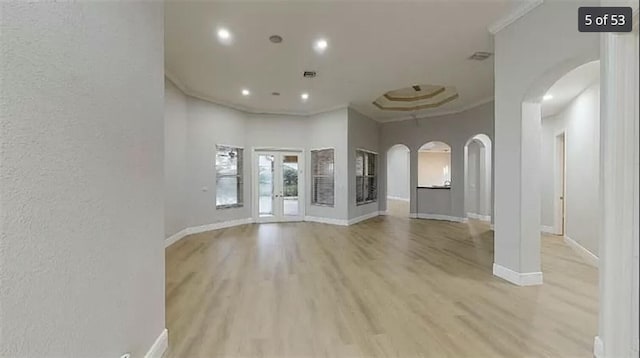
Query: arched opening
x,y
434,165
398,180
478,191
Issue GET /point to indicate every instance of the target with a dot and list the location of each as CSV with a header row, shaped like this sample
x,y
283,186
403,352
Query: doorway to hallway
x,y
278,186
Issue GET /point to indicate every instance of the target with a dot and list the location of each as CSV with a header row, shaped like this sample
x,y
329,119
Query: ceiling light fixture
x,y
224,35
304,96
547,97
276,39
320,46
245,92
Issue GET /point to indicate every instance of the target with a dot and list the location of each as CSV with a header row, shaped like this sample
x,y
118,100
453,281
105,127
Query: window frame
x,y
366,175
314,175
239,175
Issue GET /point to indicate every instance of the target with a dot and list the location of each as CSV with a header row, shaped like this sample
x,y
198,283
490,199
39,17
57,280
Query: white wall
x,y
81,179
529,58
398,172
580,121
175,168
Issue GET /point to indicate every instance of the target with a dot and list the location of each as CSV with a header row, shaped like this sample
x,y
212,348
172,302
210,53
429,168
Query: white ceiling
x,y
569,86
373,47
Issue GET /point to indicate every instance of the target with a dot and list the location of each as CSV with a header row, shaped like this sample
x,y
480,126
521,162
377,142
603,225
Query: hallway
x,y
386,287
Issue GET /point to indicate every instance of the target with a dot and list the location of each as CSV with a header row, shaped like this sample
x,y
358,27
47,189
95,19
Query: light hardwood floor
x,y
386,287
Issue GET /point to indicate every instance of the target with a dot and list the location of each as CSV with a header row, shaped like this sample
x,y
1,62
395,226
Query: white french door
x,y
278,186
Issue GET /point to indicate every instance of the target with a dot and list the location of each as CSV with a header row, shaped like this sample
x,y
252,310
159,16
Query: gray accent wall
x,y
455,130
363,134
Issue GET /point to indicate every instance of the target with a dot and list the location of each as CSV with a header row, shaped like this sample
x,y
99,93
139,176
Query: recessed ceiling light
x,y
276,39
224,35
547,97
320,45
245,92
304,96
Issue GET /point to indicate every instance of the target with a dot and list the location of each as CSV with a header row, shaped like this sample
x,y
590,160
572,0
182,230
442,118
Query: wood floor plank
x,y
386,287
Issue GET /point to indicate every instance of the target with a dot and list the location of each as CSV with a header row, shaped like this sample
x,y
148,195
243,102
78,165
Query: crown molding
x,y
187,91
514,15
441,113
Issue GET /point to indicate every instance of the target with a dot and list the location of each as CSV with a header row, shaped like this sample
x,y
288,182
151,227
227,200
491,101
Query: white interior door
x,y
279,186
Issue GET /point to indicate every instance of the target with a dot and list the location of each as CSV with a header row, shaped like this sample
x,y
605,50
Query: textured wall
x,y
81,167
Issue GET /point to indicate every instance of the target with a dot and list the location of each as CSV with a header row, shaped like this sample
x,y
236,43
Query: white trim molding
x,y
598,348
397,198
204,228
514,15
441,217
159,346
479,217
547,230
330,221
587,255
363,217
517,278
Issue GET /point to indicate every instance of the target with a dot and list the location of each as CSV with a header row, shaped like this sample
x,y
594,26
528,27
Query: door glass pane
x,y
290,185
265,184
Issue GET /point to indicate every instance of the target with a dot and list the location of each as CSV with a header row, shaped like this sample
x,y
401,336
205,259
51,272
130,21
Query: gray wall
x,y
81,169
208,125
455,130
364,134
190,160
580,121
398,172
529,58
175,168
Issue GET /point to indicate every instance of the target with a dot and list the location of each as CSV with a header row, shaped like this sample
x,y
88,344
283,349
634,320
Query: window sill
x,y
366,202
229,206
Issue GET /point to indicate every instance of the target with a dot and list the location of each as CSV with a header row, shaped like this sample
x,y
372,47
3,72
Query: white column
x,y
619,177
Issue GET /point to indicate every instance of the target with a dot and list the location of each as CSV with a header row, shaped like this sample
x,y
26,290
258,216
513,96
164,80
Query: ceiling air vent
x,y
480,56
309,74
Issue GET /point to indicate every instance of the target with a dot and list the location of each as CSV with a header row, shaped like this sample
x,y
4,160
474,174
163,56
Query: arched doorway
x,y
398,180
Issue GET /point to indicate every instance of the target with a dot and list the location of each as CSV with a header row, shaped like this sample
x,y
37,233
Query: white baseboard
x,y
587,255
598,347
204,228
547,230
517,278
398,198
441,217
479,217
159,346
176,237
492,227
413,215
330,221
383,212
363,217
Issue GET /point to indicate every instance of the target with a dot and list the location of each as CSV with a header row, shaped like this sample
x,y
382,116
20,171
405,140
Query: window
x,y
322,173
366,177
228,177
